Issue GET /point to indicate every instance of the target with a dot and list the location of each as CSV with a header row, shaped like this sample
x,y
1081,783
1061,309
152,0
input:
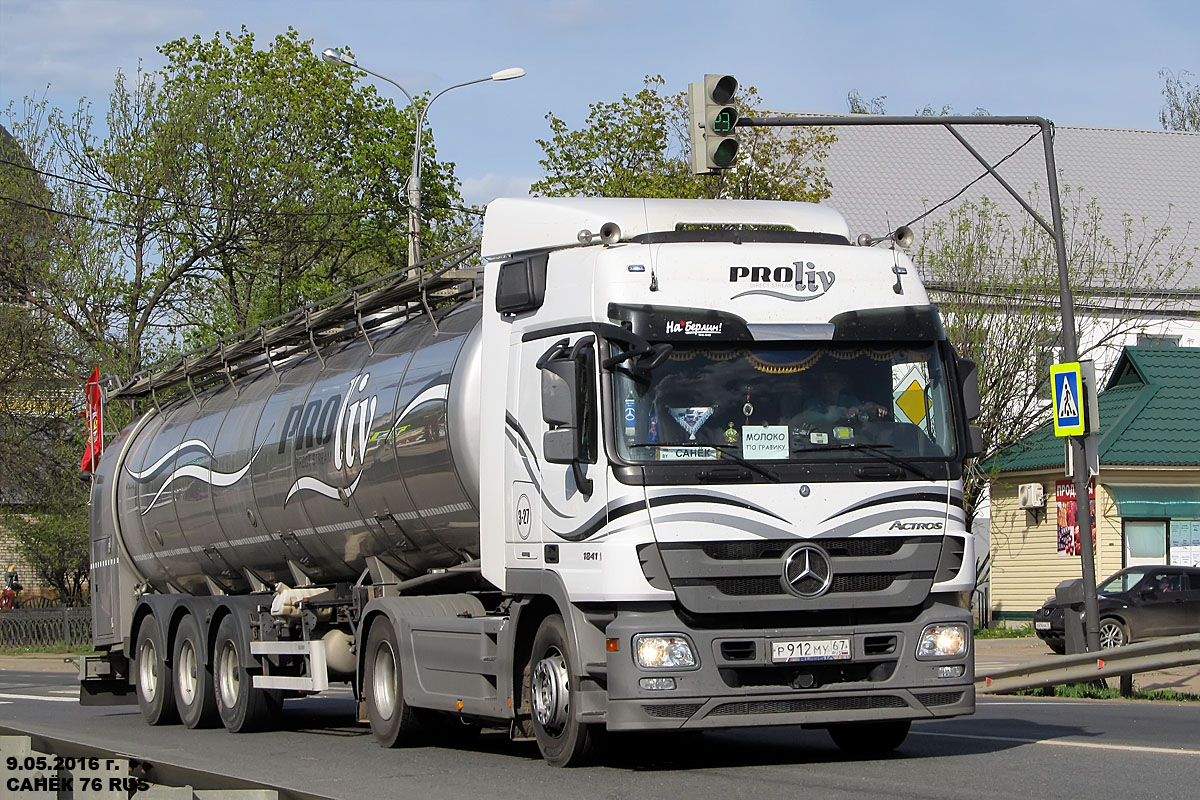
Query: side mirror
x,y
975,441
560,398
561,446
968,374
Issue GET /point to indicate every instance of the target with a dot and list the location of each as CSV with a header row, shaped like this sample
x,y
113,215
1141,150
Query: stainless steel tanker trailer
x,y
701,468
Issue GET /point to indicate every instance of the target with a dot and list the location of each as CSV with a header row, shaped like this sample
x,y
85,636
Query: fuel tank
x,y
366,448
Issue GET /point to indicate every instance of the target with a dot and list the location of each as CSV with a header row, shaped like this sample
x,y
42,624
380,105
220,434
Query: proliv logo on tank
x,y
797,282
351,430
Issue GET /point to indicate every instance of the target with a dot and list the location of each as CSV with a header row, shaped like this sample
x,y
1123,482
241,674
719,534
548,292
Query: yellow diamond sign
x,y
913,403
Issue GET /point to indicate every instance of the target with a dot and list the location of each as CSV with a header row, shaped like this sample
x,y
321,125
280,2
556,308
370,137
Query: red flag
x,y
94,416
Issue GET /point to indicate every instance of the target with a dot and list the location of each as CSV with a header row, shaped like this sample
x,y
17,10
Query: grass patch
x,y
53,649
1022,632
1097,691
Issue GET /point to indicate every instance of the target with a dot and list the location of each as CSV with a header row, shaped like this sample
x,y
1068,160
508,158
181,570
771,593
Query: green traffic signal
x,y
725,121
713,124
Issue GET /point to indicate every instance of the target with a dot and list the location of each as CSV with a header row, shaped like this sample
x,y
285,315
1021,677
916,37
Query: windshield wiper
x,y
880,450
724,449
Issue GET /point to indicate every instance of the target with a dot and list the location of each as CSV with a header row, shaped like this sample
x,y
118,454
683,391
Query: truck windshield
x,y
786,403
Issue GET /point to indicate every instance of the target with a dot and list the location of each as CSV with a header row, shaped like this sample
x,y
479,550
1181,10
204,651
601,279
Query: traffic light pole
x,y
1081,447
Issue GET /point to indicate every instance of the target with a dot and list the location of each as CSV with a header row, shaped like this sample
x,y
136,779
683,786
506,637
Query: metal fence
x,y
30,627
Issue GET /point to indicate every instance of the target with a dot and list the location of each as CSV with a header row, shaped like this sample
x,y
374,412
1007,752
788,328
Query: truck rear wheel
x,y
242,707
562,739
155,694
870,738
394,722
193,678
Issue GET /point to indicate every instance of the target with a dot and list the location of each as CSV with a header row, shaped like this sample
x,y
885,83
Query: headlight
x,y
666,650
942,641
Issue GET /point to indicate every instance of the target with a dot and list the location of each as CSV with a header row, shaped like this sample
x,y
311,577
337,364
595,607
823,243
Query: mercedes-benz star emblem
x,y
807,571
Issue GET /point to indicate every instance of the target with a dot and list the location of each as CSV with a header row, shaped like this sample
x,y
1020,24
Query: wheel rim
x,y
148,670
229,681
1111,635
186,671
383,683
551,692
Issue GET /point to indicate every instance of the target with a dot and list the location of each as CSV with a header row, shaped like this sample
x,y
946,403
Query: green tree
x,y
52,535
1181,102
638,147
232,185
995,280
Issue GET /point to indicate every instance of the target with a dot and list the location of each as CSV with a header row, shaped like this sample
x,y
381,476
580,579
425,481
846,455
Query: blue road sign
x,y
1067,382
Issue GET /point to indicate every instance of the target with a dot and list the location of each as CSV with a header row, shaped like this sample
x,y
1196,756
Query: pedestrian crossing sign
x,y
1066,381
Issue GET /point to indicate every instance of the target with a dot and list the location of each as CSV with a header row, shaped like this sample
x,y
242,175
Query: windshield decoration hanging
x,y
691,418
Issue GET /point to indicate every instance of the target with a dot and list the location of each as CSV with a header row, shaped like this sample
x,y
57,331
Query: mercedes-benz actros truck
x,y
659,465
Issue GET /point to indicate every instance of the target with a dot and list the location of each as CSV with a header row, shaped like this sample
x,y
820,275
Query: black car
x,y
1136,603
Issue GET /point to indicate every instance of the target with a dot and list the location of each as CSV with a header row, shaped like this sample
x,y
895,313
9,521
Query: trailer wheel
x,y
154,692
394,722
242,707
194,693
870,738
562,739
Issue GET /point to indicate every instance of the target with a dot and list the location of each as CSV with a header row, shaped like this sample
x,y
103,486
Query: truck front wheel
x,y
562,739
393,721
242,707
154,693
870,738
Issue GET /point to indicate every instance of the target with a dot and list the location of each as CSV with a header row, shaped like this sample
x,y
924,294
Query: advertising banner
x,y
1068,527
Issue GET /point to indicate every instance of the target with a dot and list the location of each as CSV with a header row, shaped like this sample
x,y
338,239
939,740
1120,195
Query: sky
x,y
1073,61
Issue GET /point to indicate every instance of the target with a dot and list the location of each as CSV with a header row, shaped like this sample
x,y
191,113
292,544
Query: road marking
x,y
64,691
37,697
1133,748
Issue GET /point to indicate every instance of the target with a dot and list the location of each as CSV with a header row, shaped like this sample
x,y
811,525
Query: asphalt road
x,y
1012,748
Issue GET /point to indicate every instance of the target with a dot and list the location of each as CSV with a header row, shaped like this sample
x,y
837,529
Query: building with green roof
x,y
1147,500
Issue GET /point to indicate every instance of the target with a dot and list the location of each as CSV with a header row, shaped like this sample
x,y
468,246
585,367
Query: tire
x,y
869,738
562,739
241,706
155,694
1058,647
394,722
193,679
1113,633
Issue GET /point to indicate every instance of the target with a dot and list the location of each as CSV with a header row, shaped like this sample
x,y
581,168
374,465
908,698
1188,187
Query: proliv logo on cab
x,y
797,282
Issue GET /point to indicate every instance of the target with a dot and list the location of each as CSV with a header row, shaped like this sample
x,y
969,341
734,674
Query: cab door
x,y
574,491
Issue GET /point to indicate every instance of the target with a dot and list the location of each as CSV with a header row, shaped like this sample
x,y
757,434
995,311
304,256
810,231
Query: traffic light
x,y
712,123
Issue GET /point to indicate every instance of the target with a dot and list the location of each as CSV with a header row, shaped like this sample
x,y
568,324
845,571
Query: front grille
x,y
775,548
940,698
746,576
672,711
741,587
807,705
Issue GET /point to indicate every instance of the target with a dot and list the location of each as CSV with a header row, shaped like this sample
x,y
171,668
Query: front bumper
x,y
735,684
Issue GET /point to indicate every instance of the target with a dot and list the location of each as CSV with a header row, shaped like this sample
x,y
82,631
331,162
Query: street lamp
x,y
333,56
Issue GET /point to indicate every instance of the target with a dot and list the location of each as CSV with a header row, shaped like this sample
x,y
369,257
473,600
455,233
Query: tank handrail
x,y
353,312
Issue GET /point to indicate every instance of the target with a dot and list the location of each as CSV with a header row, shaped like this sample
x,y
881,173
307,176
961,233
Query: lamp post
x,y
333,56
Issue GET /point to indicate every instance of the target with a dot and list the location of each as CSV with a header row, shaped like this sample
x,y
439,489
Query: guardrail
x,y
25,627
1175,651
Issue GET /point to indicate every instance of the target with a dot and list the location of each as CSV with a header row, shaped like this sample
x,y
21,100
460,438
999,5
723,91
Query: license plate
x,y
1041,626
810,650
